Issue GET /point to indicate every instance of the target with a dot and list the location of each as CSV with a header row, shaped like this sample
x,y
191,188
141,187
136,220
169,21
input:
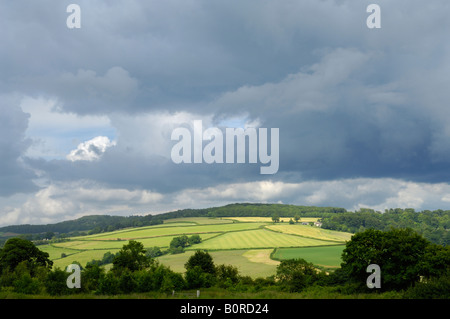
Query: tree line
x,y
433,225
90,224
410,265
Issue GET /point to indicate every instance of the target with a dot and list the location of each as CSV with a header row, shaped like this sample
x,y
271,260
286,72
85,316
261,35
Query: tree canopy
x,y
132,256
203,260
296,274
402,254
17,250
433,225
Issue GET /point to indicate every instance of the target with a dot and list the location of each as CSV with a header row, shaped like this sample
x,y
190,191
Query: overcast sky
x,y
86,114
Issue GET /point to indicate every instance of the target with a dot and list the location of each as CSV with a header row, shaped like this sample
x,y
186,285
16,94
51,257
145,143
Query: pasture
x,y
245,242
328,257
259,238
311,232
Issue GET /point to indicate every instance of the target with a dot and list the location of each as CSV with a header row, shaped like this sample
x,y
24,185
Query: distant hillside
x,y
433,225
262,210
102,223
94,223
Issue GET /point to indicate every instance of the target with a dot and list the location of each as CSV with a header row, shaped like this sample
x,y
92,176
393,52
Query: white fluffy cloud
x,y
70,200
54,133
352,194
62,201
91,150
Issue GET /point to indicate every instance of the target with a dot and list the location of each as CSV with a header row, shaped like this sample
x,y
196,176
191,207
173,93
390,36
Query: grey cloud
x,y
15,176
182,53
86,92
349,101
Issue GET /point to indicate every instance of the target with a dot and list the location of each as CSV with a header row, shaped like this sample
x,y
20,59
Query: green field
x,y
244,242
259,238
152,231
324,256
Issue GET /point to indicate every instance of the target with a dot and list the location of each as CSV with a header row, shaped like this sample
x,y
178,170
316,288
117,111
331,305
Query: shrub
x,y
296,274
56,283
27,285
436,288
108,284
90,277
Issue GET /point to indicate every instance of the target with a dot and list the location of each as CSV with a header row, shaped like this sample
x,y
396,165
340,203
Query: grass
x,y
220,293
261,256
259,238
55,252
311,232
244,242
151,231
324,256
253,263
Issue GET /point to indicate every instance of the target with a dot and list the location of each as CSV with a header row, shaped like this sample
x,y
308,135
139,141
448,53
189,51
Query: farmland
x,y
328,257
245,242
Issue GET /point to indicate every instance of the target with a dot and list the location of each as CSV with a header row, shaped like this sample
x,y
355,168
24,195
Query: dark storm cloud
x,y
349,101
180,53
118,170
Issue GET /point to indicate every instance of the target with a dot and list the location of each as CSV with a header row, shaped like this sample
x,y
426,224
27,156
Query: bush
x,y
194,239
296,274
227,276
108,284
176,250
172,281
154,252
90,277
56,283
436,288
177,280
27,285
196,278
145,281
127,283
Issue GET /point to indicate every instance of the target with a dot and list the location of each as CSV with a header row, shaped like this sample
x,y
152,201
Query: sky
x,y
86,114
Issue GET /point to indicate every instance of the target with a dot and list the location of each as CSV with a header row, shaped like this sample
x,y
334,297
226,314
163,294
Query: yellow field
x,y
261,256
311,232
258,238
248,262
151,231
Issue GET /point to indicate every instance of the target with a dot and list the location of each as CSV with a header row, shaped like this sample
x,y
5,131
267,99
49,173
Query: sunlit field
x,y
245,242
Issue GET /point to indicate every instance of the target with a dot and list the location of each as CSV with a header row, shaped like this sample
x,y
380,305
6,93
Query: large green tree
x,y
398,252
132,256
202,259
17,250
